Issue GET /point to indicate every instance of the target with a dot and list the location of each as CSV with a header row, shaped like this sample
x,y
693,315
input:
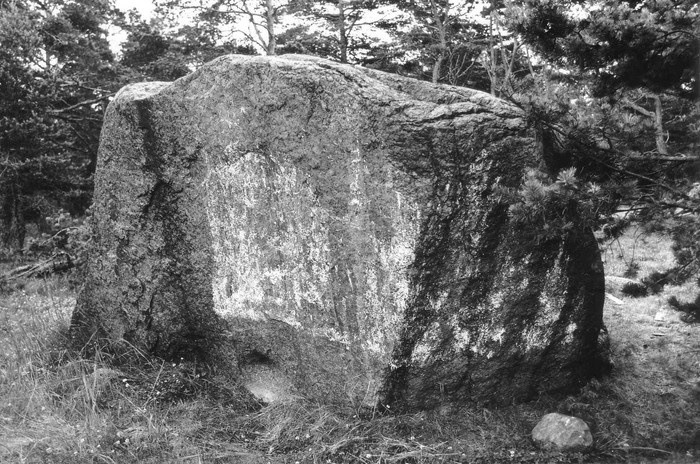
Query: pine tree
x,y
56,75
258,21
332,29
620,98
457,42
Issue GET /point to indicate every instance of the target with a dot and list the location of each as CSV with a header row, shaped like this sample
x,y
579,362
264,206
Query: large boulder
x,y
338,227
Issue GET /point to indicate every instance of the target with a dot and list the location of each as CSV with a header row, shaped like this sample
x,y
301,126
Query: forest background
x,y
610,86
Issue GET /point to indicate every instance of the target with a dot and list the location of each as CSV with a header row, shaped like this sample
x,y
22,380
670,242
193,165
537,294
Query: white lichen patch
x,y
257,213
461,339
551,302
436,303
496,299
570,329
538,335
476,349
283,252
535,338
487,342
460,335
553,295
423,349
332,334
497,336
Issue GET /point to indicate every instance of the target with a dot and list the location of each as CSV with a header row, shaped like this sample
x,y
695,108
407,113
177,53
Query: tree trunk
x,y
270,19
659,126
492,74
441,25
342,33
657,117
12,220
436,68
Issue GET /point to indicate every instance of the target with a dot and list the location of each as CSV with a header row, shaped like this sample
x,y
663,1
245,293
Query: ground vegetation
x,y
125,406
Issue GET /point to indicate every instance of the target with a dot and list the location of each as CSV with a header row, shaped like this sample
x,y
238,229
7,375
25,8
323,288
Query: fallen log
x,y
59,262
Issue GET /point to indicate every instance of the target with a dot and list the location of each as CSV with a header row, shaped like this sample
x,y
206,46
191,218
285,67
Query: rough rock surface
x,y
562,433
338,226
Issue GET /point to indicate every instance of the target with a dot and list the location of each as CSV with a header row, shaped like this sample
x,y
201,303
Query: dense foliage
x,y
620,92
56,74
611,85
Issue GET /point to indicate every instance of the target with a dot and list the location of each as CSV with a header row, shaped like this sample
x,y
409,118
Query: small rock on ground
x,y
562,433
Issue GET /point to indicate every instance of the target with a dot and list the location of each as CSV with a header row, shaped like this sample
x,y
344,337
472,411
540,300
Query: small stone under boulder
x,y
338,227
562,433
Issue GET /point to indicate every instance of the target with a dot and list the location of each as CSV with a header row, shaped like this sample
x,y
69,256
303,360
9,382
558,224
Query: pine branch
x,y
657,118
639,109
614,168
637,175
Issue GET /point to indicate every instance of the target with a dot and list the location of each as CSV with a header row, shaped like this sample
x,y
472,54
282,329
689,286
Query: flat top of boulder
x,y
388,86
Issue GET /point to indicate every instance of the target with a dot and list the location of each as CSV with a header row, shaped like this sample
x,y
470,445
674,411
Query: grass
x,y
123,407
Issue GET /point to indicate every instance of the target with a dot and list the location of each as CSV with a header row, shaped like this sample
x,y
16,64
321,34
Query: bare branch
x,y
678,158
639,109
83,103
617,169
